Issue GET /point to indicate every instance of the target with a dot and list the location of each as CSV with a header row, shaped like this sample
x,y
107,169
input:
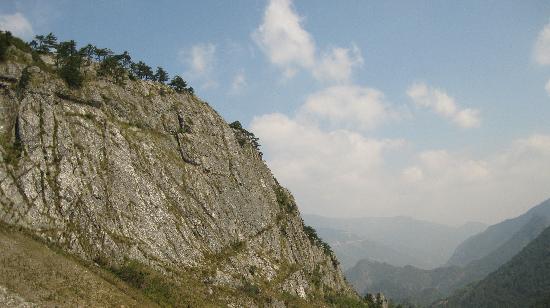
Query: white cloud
x,y
547,87
343,173
440,165
457,187
238,83
538,142
413,174
327,170
444,105
338,64
467,118
200,60
542,46
290,47
16,24
347,106
282,38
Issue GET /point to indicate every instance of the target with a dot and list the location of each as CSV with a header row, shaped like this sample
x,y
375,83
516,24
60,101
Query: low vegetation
x,y
152,284
522,282
316,240
245,137
284,200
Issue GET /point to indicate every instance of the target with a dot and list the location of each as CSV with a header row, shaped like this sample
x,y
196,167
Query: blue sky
x,y
431,109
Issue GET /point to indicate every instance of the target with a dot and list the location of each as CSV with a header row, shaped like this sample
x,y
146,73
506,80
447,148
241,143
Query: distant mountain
x,y
395,240
480,245
350,248
522,282
402,284
422,287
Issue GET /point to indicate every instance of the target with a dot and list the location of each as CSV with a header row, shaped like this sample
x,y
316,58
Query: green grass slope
x,y
32,273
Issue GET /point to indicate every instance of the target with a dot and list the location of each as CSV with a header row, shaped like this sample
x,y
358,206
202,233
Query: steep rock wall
x,y
113,173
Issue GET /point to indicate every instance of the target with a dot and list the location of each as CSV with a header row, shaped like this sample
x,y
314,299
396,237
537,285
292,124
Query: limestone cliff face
x,y
137,172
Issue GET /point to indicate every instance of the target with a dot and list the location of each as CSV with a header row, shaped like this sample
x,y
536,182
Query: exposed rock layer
x,y
114,173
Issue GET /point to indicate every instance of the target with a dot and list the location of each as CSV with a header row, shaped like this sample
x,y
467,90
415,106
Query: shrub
x,y
152,284
250,289
142,70
161,75
344,301
245,137
115,66
70,71
316,240
4,44
284,201
178,84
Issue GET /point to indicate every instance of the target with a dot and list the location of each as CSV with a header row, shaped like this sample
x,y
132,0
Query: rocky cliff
x,y
141,180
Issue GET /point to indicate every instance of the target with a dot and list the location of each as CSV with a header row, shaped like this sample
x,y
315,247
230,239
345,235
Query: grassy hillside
x,y
31,272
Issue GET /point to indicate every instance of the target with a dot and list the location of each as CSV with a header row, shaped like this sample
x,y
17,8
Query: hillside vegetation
x,y
480,245
522,282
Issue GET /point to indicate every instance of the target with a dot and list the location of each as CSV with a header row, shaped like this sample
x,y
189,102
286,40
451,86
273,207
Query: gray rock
x,y
109,174
33,70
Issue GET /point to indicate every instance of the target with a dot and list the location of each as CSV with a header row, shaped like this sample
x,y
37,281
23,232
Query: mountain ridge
x,y
481,244
521,282
154,185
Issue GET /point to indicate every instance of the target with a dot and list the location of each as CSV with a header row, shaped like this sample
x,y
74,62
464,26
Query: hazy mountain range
x,y
396,240
417,286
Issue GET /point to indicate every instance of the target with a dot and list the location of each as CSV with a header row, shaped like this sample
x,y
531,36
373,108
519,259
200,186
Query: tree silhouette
x,y
102,53
178,84
142,70
161,75
65,50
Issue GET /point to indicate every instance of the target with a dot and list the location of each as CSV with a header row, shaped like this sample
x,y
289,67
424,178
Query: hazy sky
x,y
433,109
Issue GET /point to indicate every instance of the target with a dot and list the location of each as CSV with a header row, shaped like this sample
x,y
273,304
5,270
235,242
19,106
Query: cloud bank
x,y
340,172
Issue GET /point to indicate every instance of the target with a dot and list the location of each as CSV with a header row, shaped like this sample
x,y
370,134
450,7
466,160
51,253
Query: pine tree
x,y
161,75
65,50
102,53
50,42
142,70
4,44
70,71
88,52
178,84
